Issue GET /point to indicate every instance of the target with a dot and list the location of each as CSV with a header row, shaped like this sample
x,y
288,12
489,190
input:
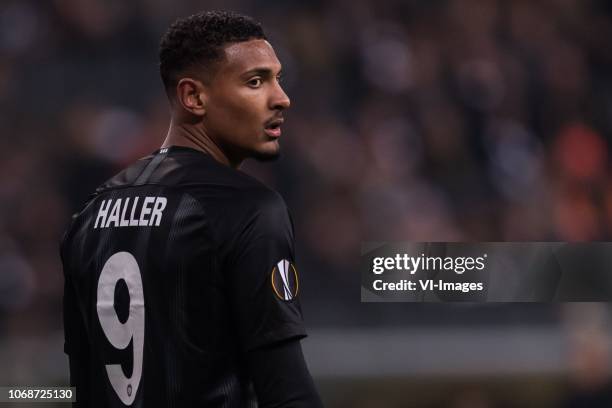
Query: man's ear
x,y
191,96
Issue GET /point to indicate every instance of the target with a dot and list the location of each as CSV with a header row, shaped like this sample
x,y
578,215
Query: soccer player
x,y
181,288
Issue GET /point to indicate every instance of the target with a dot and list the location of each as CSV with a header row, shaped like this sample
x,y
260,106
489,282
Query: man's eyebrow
x,y
263,71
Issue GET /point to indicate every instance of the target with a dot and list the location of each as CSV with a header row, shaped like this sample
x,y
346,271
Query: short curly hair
x,y
199,40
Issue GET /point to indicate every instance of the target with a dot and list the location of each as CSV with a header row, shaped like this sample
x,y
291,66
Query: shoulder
x,y
245,211
230,190
126,176
257,200
264,200
241,201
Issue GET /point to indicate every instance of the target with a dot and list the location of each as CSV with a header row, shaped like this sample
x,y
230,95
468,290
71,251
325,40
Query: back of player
x,y
157,302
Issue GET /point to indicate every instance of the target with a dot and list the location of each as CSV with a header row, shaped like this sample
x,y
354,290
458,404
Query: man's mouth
x,y
273,127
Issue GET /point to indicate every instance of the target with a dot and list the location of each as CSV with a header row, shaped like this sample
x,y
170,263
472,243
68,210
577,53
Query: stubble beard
x,y
266,156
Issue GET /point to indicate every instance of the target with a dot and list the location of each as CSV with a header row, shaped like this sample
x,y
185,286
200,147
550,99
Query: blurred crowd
x,y
438,120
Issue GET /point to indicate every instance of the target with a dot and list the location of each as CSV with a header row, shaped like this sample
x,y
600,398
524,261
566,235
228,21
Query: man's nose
x,y
280,100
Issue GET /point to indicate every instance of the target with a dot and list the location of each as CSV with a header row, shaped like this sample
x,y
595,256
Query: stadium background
x,y
438,120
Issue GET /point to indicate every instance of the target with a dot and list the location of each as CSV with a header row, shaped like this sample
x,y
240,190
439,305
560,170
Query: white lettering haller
x,y
131,212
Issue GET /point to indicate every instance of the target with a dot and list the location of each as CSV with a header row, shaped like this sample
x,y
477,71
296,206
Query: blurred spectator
x,y
590,358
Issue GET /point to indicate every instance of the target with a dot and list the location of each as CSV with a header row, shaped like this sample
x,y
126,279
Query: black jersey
x,y
176,268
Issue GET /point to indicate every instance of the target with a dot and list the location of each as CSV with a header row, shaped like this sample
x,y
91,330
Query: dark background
x,y
439,120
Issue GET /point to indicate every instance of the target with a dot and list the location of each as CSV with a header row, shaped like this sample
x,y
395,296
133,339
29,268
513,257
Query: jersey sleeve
x,y
281,378
75,338
263,281
74,332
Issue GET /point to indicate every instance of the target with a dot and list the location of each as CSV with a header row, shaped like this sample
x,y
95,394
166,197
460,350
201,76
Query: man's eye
x,y
254,83
279,78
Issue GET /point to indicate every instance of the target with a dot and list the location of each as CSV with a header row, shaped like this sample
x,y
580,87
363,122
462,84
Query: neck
x,y
195,137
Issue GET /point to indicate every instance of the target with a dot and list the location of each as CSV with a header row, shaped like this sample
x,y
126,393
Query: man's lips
x,y
273,132
272,127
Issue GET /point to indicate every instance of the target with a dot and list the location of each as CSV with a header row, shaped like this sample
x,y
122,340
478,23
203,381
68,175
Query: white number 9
x,y
122,265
